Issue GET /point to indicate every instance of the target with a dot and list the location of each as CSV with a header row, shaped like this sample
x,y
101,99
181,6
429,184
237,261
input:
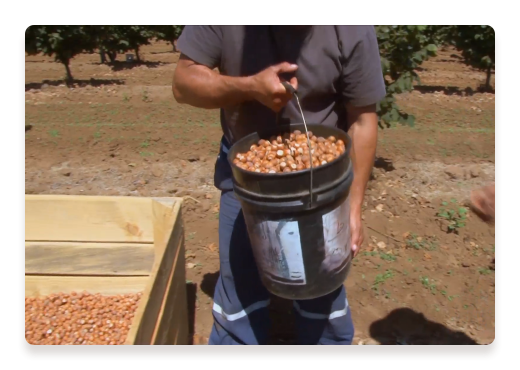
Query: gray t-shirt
x,y
336,65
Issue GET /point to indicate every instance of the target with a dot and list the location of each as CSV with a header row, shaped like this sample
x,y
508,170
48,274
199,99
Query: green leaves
x,y
121,39
431,48
402,49
456,218
167,33
477,44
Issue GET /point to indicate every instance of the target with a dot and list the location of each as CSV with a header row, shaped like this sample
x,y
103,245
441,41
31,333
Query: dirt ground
x,y
118,131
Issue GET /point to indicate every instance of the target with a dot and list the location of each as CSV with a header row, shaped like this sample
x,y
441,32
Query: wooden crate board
x,y
66,258
36,286
88,219
172,324
148,316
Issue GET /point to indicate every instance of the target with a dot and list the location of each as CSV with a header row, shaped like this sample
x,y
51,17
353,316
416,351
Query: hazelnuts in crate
x,y
79,318
290,153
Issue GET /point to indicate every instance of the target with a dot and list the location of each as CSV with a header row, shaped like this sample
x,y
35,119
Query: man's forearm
x,y
363,132
203,88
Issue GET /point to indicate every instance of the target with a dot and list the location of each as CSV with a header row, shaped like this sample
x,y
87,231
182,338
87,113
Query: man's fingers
x,y
284,68
294,83
355,249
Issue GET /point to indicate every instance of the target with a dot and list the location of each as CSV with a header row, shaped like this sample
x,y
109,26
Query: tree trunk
x,y
67,68
112,55
137,57
488,79
102,55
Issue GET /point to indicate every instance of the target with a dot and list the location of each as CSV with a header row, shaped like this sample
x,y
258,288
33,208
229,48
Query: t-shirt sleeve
x,y
202,44
363,82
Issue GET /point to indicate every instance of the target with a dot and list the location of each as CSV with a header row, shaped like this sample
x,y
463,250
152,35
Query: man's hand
x,y
357,234
202,87
267,87
483,203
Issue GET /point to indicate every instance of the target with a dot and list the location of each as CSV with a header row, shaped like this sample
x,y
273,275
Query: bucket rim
x,y
293,173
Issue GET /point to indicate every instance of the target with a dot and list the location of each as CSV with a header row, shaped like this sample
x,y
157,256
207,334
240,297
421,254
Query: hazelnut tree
x,y
126,38
477,44
402,50
168,33
62,42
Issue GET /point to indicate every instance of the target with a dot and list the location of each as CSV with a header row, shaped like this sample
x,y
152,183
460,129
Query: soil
x,y
118,131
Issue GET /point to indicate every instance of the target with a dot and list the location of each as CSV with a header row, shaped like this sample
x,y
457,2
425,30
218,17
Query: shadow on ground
x,y
452,90
384,163
407,327
121,66
209,281
191,292
74,83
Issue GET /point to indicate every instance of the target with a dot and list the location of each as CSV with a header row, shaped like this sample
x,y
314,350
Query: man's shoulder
x,y
354,31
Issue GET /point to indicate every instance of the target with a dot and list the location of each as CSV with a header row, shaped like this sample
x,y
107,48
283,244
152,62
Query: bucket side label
x,y
336,237
277,249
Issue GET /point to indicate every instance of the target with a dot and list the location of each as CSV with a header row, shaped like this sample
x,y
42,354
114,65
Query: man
x,y
337,72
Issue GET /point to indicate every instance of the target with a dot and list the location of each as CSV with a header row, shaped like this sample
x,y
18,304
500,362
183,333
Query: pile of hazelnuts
x,y
79,318
290,152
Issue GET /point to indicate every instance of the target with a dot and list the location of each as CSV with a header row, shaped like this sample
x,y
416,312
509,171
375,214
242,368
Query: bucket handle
x,y
290,88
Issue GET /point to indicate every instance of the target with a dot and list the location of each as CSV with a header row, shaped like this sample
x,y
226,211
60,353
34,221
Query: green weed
x,y
145,144
144,96
418,242
484,271
387,257
428,283
456,218
381,278
54,133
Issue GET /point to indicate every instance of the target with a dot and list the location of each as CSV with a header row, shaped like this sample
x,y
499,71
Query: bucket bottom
x,y
324,285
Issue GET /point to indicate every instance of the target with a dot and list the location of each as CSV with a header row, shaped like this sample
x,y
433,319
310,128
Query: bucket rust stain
x,y
133,229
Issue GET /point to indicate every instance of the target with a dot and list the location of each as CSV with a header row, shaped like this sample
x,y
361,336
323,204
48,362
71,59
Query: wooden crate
x,y
112,245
